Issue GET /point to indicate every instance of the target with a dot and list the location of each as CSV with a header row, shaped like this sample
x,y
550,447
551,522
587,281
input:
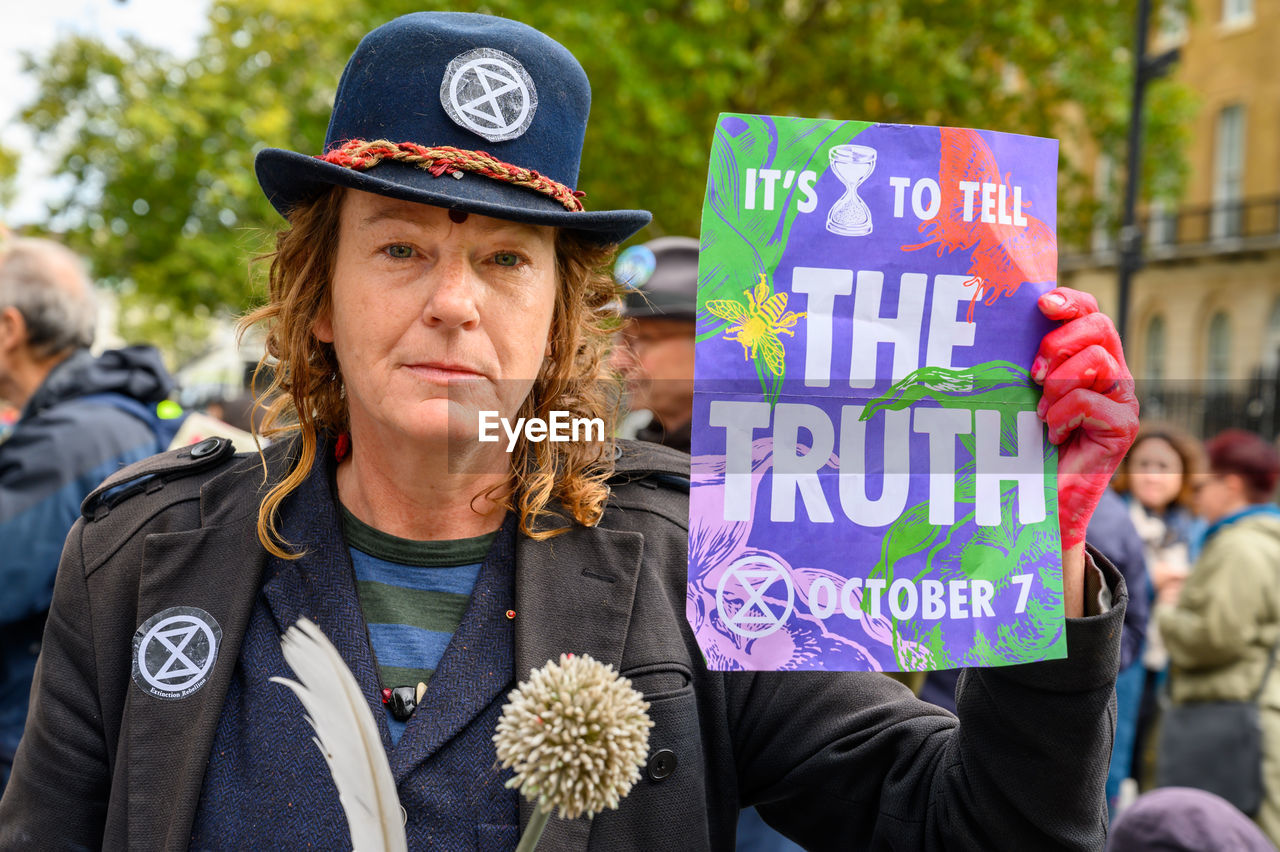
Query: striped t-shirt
x,y
413,595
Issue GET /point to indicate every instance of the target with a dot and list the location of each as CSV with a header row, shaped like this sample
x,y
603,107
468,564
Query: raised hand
x,y
1088,403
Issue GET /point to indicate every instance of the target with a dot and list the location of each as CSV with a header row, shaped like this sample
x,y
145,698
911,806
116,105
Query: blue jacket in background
x,y
1111,530
90,417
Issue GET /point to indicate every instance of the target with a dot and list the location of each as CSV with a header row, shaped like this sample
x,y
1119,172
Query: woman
x,y
403,303
1221,634
1156,480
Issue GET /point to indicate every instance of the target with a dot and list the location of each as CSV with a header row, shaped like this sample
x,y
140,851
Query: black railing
x,y
1248,224
1256,217
1205,408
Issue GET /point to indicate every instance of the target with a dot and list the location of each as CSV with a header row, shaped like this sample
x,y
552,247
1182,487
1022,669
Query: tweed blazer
x,y
836,761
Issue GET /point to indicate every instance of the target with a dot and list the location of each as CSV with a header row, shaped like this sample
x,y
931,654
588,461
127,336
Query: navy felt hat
x,y
481,114
661,277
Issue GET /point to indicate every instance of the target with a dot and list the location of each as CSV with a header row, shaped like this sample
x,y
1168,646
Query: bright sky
x,y
34,25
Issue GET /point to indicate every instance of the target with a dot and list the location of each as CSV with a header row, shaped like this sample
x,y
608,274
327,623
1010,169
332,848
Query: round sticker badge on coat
x,y
174,651
489,93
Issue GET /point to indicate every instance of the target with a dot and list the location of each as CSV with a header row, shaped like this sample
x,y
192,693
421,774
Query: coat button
x,y
205,447
662,764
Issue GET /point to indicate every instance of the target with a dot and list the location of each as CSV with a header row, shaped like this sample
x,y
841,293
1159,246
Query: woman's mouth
x,y
443,372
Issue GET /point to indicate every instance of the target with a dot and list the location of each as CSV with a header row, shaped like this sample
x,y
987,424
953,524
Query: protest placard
x,y
872,488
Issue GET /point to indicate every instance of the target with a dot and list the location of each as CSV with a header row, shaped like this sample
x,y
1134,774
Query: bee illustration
x,y
757,327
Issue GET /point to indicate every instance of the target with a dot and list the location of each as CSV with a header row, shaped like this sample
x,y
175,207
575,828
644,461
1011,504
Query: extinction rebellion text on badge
x,y
174,651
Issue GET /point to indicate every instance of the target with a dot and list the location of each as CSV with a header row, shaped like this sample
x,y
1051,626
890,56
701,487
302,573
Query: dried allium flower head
x,y
576,734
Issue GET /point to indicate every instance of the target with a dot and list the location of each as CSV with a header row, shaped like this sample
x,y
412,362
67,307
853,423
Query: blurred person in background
x,y
1226,618
1156,480
1112,531
655,349
1181,819
81,419
241,411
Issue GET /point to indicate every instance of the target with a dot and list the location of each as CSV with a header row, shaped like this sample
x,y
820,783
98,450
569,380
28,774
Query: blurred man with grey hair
x,y
82,418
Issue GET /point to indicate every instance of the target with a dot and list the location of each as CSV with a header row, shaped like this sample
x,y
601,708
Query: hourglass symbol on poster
x,y
853,164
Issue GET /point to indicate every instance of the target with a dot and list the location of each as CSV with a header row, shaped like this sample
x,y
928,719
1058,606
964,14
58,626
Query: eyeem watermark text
x,y
560,427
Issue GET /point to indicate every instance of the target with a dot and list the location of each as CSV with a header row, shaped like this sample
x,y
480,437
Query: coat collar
x,y
320,583
1240,515
175,741
477,665
574,593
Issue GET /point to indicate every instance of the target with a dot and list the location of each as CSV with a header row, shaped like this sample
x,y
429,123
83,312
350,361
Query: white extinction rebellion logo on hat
x,y
489,93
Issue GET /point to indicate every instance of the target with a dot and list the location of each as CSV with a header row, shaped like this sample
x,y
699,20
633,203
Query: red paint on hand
x,y
1088,403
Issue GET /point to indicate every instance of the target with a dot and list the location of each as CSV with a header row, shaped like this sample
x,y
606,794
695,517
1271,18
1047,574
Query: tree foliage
x,y
160,150
9,162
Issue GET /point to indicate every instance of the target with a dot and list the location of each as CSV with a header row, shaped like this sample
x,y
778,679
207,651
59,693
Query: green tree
x,y
9,162
161,150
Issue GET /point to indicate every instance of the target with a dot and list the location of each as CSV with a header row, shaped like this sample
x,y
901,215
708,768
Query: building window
x,y
1228,172
1237,12
1162,223
1271,344
1219,368
1103,194
1153,355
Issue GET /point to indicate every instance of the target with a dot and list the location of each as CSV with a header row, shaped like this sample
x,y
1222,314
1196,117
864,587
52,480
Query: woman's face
x,y
435,319
1155,473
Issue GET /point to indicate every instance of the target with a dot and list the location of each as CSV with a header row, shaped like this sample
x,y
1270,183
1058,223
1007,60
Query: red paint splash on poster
x,y
1005,256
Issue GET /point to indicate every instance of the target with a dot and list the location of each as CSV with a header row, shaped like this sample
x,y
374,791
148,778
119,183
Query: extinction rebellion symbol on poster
x,y
872,489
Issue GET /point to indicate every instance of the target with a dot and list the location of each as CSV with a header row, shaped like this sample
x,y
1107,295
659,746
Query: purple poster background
x,y
908,521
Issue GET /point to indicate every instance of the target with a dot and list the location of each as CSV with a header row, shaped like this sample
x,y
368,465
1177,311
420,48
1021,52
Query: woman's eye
x,y
400,251
506,258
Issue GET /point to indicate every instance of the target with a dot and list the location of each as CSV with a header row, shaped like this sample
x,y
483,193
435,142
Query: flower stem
x,y
533,831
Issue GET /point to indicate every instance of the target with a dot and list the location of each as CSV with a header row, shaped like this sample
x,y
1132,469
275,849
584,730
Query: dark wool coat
x,y
836,761
268,788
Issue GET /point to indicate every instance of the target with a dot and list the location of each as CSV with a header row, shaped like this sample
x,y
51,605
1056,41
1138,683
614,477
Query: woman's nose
x,y
451,300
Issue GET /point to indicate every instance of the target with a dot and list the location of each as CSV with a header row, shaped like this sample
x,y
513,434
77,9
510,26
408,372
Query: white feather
x,y
347,736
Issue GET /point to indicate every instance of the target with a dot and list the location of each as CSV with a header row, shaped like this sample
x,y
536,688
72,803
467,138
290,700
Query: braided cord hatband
x,y
359,154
